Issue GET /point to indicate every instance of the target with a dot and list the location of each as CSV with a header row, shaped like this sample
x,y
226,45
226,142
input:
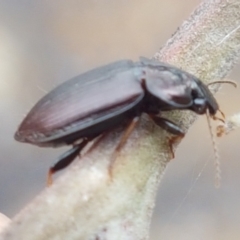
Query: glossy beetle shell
x,y
93,102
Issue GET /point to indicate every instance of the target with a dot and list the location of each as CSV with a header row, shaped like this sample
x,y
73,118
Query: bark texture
x,y
84,203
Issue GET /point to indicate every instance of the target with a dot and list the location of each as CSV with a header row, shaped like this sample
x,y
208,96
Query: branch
x,y
84,203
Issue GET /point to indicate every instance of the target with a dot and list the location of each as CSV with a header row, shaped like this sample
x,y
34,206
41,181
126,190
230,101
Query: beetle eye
x,y
195,93
199,105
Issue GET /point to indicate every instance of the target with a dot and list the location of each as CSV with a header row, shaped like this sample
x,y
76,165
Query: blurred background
x,y
43,43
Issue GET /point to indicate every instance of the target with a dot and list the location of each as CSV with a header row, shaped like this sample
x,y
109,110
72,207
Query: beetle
x,y
95,102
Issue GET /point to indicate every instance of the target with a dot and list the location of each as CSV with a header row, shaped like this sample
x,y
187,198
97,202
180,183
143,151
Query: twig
x,y
84,203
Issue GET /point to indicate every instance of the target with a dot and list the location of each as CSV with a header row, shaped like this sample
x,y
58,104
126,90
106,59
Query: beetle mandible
x,y
99,100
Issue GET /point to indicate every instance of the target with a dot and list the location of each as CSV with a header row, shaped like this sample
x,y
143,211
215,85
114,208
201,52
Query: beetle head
x,y
203,99
177,89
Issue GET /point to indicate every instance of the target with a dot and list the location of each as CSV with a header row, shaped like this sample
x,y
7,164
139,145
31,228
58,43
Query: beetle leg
x,y
127,133
65,159
170,127
123,140
95,144
171,141
167,125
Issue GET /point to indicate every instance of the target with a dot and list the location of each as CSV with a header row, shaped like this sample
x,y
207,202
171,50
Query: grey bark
x,y
84,203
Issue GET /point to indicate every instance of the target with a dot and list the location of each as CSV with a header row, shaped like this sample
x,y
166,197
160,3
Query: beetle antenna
x,y
223,81
216,153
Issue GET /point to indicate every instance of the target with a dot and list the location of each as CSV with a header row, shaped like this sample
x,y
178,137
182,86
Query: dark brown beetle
x,y
95,102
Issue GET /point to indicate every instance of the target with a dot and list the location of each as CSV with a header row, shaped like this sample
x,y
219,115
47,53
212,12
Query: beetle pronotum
x,y
97,101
